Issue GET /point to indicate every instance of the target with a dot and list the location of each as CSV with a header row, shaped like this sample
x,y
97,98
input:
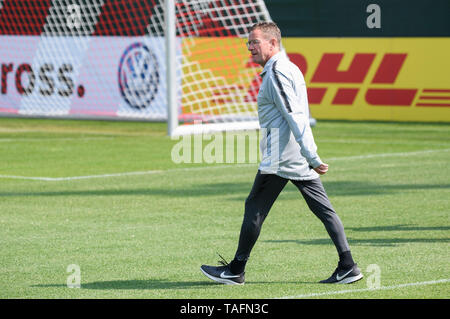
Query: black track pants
x,y
265,191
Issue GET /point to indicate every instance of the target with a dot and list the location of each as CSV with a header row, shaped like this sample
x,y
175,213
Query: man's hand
x,y
321,169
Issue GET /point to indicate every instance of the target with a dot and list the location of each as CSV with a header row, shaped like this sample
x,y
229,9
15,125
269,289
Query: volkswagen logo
x,y
138,75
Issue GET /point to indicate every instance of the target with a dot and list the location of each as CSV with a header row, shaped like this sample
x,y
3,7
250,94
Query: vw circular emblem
x,y
138,75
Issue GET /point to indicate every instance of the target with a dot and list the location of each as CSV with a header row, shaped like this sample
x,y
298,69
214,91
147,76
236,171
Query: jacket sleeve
x,y
296,115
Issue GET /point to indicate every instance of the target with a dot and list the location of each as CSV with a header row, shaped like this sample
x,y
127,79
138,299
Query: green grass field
x,y
145,234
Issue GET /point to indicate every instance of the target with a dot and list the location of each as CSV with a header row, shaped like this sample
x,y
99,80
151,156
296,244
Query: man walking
x,y
289,154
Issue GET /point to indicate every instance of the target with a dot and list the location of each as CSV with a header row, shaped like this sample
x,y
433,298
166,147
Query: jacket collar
x,y
271,61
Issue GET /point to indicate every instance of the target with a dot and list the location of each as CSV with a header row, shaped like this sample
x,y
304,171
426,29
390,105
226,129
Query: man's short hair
x,y
269,28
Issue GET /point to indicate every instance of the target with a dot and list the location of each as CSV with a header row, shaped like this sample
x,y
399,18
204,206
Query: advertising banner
x,y
393,79
83,76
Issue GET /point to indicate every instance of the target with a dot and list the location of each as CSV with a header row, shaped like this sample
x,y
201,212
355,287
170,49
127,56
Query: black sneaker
x,y
344,276
223,274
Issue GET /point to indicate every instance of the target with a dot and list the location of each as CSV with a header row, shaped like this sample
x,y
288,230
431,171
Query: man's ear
x,y
273,42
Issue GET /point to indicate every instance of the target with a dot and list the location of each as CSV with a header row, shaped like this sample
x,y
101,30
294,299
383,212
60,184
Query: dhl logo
x,y
400,79
387,72
327,71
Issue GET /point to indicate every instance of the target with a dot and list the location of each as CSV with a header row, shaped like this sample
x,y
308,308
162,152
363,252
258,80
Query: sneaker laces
x,y
223,262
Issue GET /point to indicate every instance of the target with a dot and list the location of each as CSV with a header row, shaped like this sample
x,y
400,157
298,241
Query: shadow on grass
x,y
155,284
357,188
388,242
138,284
213,189
341,188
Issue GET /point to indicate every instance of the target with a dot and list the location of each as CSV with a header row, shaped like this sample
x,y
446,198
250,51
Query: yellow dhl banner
x,y
395,79
392,79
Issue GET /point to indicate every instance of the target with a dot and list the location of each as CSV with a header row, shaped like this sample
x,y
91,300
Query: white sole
x,y
221,280
349,280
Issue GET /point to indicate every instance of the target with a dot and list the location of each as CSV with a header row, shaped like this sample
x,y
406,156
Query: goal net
x,y
177,60
219,82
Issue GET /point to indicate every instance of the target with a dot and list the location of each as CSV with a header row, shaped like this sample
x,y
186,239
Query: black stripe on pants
x,y
265,191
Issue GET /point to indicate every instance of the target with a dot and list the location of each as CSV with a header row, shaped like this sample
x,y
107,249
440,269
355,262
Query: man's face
x,y
261,47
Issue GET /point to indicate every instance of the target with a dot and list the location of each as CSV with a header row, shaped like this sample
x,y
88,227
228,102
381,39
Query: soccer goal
x,y
219,83
180,61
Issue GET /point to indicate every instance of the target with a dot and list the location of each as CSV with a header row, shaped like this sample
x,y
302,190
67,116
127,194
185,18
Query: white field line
x,y
55,179
364,141
340,292
344,158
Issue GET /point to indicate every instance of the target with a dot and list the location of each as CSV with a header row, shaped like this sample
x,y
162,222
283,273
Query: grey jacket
x,y
287,144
